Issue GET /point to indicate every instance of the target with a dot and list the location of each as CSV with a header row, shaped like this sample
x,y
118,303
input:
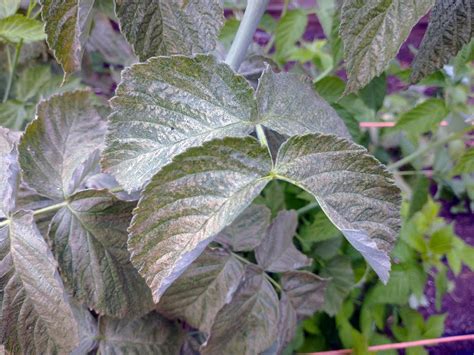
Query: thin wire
x,y
403,345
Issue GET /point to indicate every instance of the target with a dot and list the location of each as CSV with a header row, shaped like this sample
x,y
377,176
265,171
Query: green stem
x,y
51,208
425,149
16,58
262,138
245,261
307,208
12,71
244,36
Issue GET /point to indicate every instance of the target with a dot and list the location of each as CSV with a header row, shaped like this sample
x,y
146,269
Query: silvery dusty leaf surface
x,y
169,104
348,184
451,27
206,188
191,200
166,27
372,32
203,289
253,310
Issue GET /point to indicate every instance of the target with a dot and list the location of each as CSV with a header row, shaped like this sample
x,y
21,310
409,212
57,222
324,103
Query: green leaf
x,y
67,130
289,30
465,164
228,31
9,171
89,240
423,117
331,88
200,192
37,315
66,26
373,32
434,326
341,280
162,28
204,288
249,323
450,28
420,195
18,28
246,232
8,7
13,114
277,252
305,292
353,189
151,334
441,241
397,290
373,94
148,126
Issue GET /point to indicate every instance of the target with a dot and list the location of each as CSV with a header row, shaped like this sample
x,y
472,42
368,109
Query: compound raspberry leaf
x,y
169,104
166,27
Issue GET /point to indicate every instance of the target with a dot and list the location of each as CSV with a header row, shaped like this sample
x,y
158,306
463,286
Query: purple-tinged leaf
x,y
89,240
67,23
451,27
37,314
151,334
248,324
203,289
246,232
67,130
277,252
305,292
